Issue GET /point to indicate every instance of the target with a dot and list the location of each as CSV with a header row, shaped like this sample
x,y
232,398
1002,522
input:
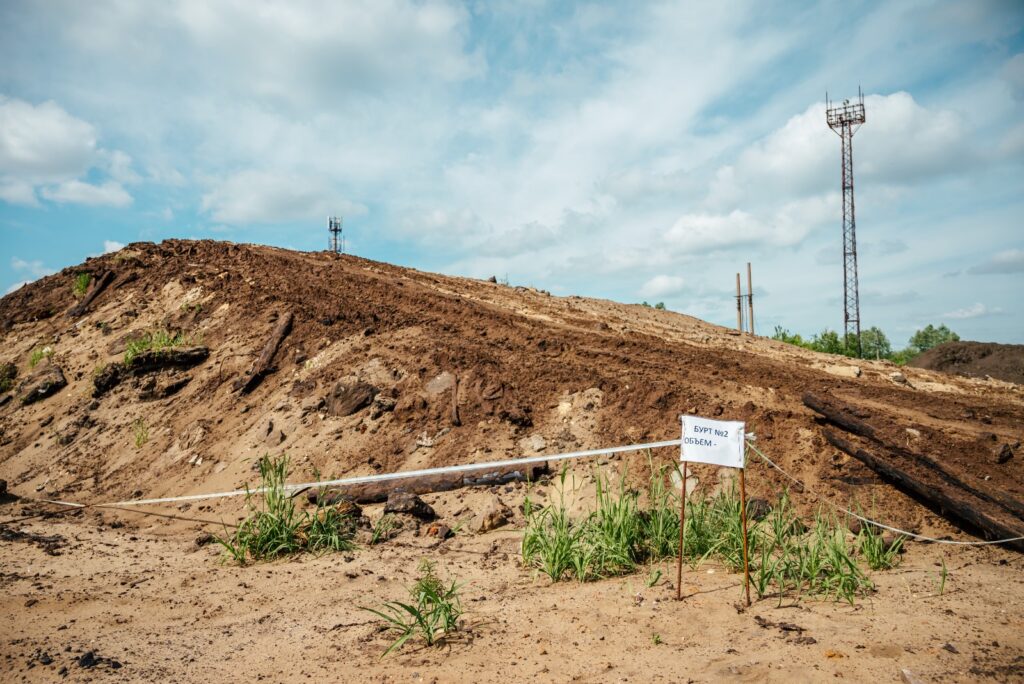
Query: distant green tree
x,y
660,306
930,336
874,344
783,335
828,341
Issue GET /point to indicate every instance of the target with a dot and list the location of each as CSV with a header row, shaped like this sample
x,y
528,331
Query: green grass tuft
x,y
275,527
158,340
432,613
81,284
38,354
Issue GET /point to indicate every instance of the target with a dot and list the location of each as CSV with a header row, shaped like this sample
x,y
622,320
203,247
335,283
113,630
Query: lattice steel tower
x,y
845,119
335,243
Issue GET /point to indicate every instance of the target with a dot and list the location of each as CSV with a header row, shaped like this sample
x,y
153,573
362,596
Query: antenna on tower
x,y
845,119
336,242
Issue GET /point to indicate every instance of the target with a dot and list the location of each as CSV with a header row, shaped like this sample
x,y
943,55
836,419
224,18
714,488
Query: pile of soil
x,y
975,359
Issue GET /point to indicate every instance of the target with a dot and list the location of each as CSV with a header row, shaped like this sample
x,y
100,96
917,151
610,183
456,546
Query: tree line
x,y
874,343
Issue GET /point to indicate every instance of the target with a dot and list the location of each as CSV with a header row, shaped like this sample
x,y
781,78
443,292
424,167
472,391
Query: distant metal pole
x,y
739,305
750,299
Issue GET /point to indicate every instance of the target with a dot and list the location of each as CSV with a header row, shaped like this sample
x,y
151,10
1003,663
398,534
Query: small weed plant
x,y
140,431
274,526
876,551
432,612
81,284
159,340
38,354
383,528
786,557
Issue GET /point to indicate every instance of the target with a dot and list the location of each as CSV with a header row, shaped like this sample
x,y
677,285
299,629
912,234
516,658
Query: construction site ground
x,y
466,371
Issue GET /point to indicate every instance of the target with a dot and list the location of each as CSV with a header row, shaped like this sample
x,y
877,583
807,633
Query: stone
x,y
1004,453
410,504
312,404
275,437
843,371
440,530
381,405
898,378
42,384
493,515
346,399
533,444
758,509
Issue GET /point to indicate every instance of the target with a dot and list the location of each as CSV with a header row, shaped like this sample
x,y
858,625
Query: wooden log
x,y
842,416
456,421
262,365
376,492
939,496
97,287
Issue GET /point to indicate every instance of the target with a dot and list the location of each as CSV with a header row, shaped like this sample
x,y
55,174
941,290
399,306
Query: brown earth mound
x,y
976,360
429,370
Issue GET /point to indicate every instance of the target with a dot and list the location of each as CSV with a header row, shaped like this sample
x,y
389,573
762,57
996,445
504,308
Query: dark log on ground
x,y
842,415
42,384
98,286
262,366
949,501
159,359
376,492
456,421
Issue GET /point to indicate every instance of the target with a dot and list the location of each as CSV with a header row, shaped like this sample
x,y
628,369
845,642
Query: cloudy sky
x,y
638,151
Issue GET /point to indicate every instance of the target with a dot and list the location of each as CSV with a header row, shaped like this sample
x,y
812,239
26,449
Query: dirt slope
x,y
528,372
975,359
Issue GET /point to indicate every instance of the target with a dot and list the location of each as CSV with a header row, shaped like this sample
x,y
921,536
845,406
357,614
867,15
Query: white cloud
x,y
110,193
43,142
1007,261
112,246
43,152
662,286
974,311
267,197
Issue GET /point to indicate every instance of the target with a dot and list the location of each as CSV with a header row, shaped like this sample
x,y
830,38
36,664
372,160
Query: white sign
x,y
713,441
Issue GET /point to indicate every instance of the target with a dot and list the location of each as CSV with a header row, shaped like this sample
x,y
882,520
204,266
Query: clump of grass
x,y
157,340
383,528
432,613
274,527
140,431
81,284
38,354
620,535
878,554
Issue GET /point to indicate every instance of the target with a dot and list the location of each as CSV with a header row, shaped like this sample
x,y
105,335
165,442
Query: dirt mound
x,y
440,370
975,359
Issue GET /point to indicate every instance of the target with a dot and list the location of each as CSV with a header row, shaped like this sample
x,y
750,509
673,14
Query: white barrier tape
x,y
365,479
919,537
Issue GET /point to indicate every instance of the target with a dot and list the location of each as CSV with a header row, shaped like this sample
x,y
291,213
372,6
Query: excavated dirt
x,y
976,360
389,369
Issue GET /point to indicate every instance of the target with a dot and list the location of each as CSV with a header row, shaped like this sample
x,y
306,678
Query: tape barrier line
x,y
919,537
385,477
473,467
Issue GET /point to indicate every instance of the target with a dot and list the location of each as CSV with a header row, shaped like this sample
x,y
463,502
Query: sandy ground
x,y
150,605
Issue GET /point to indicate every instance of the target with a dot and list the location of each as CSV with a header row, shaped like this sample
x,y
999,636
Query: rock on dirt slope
x,y
384,368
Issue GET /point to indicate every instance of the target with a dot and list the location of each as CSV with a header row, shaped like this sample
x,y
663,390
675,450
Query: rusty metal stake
x,y
682,538
743,516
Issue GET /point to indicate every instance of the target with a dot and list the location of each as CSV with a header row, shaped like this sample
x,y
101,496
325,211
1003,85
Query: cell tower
x,y
845,119
336,242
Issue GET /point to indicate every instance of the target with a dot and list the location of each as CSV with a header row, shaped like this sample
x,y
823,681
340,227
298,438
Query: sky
x,y
631,151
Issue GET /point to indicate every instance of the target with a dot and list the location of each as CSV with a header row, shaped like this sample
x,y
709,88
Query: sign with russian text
x,y
719,442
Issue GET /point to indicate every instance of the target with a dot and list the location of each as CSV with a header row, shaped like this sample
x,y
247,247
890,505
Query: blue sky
x,y
634,151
